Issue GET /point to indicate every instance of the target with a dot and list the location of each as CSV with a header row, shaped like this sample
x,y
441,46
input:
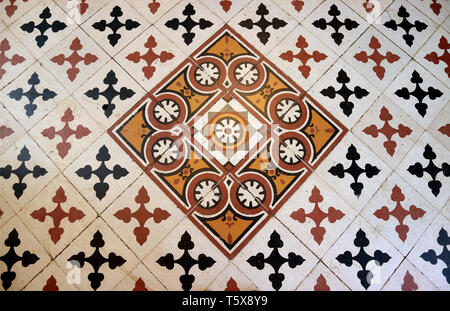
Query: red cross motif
x,y
445,57
14,60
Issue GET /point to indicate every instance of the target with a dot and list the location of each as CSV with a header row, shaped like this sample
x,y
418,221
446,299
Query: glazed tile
x,y
321,279
399,213
58,214
87,274
377,259
30,258
387,131
290,261
22,165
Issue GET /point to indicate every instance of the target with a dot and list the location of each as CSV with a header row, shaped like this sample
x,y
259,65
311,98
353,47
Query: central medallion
x,y
228,137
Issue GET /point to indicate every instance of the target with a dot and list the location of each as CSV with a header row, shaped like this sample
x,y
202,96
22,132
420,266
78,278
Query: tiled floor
x,y
224,145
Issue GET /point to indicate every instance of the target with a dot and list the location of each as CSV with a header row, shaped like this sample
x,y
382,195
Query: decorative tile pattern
x,y
224,145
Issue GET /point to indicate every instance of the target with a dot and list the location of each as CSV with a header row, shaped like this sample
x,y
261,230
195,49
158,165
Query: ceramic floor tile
x,y
89,274
354,171
388,131
43,27
426,167
22,165
32,95
377,58
434,55
419,94
440,127
139,280
302,57
114,26
66,132
80,10
57,215
336,25
51,279
75,60
437,10
149,58
263,24
142,216
233,280
430,255
99,173
153,10
189,244
399,213
22,257
188,25
321,219
10,130
406,26
362,258
275,259
345,93
408,278
321,279
224,144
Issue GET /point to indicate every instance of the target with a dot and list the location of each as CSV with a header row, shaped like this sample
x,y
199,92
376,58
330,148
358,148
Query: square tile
x,y
21,166
368,9
426,168
80,10
10,130
302,57
408,278
25,259
114,260
6,212
140,280
114,26
189,25
231,279
142,216
388,131
399,213
406,26
321,279
57,215
419,94
298,9
336,25
43,27
66,132
153,10
275,244
377,58
437,10
362,258
353,171
187,242
321,219
149,58
429,255
100,173
51,279
440,127
13,11
227,9
263,24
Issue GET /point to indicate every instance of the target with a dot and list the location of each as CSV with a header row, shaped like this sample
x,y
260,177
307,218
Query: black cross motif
x,y
275,260
364,275
186,261
115,25
444,256
406,25
346,105
354,170
102,172
96,260
336,24
110,93
43,27
417,170
32,94
263,24
21,172
188,24
11,258
419,93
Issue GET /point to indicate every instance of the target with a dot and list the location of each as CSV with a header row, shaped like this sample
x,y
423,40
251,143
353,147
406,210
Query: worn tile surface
x,y
224,145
